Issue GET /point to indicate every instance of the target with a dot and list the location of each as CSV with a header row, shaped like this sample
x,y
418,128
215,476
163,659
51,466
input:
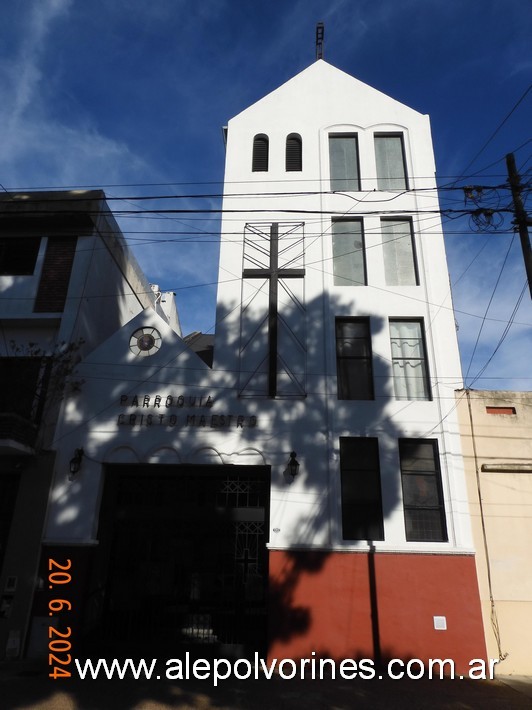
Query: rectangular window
x,y
55,276
409,362
422,490
22,386
18,255
362,517
349,262
399,255
343,162
353,358
391,164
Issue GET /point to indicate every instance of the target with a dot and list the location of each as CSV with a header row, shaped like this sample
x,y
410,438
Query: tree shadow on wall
x,y
315,589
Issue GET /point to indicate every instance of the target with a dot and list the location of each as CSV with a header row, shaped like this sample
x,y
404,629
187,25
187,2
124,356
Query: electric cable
x,y
503,335
488,306
492,136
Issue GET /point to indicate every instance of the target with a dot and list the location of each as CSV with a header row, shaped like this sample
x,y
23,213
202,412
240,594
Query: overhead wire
x,y
489,305
492,136
255,181
315,265
503,335
129,213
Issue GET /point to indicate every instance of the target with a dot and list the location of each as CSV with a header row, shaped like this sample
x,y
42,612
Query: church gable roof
x,y
322,85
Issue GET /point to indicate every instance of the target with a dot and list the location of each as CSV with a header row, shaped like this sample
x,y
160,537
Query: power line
x,y
492,136
503,336
488,306
496,162
254,181
64,200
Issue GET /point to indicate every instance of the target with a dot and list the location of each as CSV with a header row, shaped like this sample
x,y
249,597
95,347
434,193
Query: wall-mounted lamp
x,y
75,464
293,465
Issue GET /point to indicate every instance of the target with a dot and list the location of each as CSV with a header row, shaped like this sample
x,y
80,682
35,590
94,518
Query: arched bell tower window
x,y
294,153
260,154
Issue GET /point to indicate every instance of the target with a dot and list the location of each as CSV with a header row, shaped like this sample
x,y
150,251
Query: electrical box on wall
x,y
440,623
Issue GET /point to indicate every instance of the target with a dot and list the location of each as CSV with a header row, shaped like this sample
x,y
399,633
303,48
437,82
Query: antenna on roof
x,y
320,31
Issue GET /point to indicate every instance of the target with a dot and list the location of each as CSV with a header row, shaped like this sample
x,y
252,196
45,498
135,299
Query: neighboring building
x,y
496,429
67,281
306,494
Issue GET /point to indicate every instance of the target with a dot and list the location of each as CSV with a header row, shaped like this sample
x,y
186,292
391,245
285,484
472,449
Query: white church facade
x,y
306,493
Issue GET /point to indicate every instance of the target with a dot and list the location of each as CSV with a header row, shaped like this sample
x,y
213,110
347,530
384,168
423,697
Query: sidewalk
x,y
521,683
26,686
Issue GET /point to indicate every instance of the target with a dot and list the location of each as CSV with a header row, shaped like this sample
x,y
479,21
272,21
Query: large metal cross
x,y
273,273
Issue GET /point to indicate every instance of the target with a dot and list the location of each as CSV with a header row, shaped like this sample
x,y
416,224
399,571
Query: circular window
x,y
145,341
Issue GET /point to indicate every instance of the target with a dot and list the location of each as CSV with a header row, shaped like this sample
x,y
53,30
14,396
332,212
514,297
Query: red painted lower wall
x,y
356,605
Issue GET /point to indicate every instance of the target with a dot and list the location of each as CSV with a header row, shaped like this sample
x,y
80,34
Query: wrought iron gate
x,y
186,556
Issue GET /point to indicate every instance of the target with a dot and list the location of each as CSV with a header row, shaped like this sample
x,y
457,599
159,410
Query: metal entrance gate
x,y
185,556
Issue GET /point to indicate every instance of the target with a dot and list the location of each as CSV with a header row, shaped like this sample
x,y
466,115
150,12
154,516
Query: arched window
x,y
260,154
294,153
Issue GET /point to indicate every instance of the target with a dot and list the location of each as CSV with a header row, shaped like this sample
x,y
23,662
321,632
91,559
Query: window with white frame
x,y
349,261
409,361
391,164
343,162
399,253
422,490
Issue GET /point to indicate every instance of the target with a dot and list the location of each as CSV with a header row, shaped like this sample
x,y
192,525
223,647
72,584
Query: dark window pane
x,y
424,526
351,328
362,522
18,255
294,158
351,345
419,490
353,359
422,490
417,456
357,454
20,380
354,379
362,517
260,154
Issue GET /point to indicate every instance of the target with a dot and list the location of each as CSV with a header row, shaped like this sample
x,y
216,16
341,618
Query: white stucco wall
x,y
304,513
319,101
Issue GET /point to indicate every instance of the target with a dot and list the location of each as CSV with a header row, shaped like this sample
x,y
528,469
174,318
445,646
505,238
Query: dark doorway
x,y
182,559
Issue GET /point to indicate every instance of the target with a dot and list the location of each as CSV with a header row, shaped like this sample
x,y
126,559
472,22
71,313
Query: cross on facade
x,y
273,273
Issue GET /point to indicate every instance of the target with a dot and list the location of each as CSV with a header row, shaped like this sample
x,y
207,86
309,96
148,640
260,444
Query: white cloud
x,y
24,71
39,149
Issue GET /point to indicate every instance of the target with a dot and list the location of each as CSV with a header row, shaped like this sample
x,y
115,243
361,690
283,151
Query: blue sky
x,y
132,96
